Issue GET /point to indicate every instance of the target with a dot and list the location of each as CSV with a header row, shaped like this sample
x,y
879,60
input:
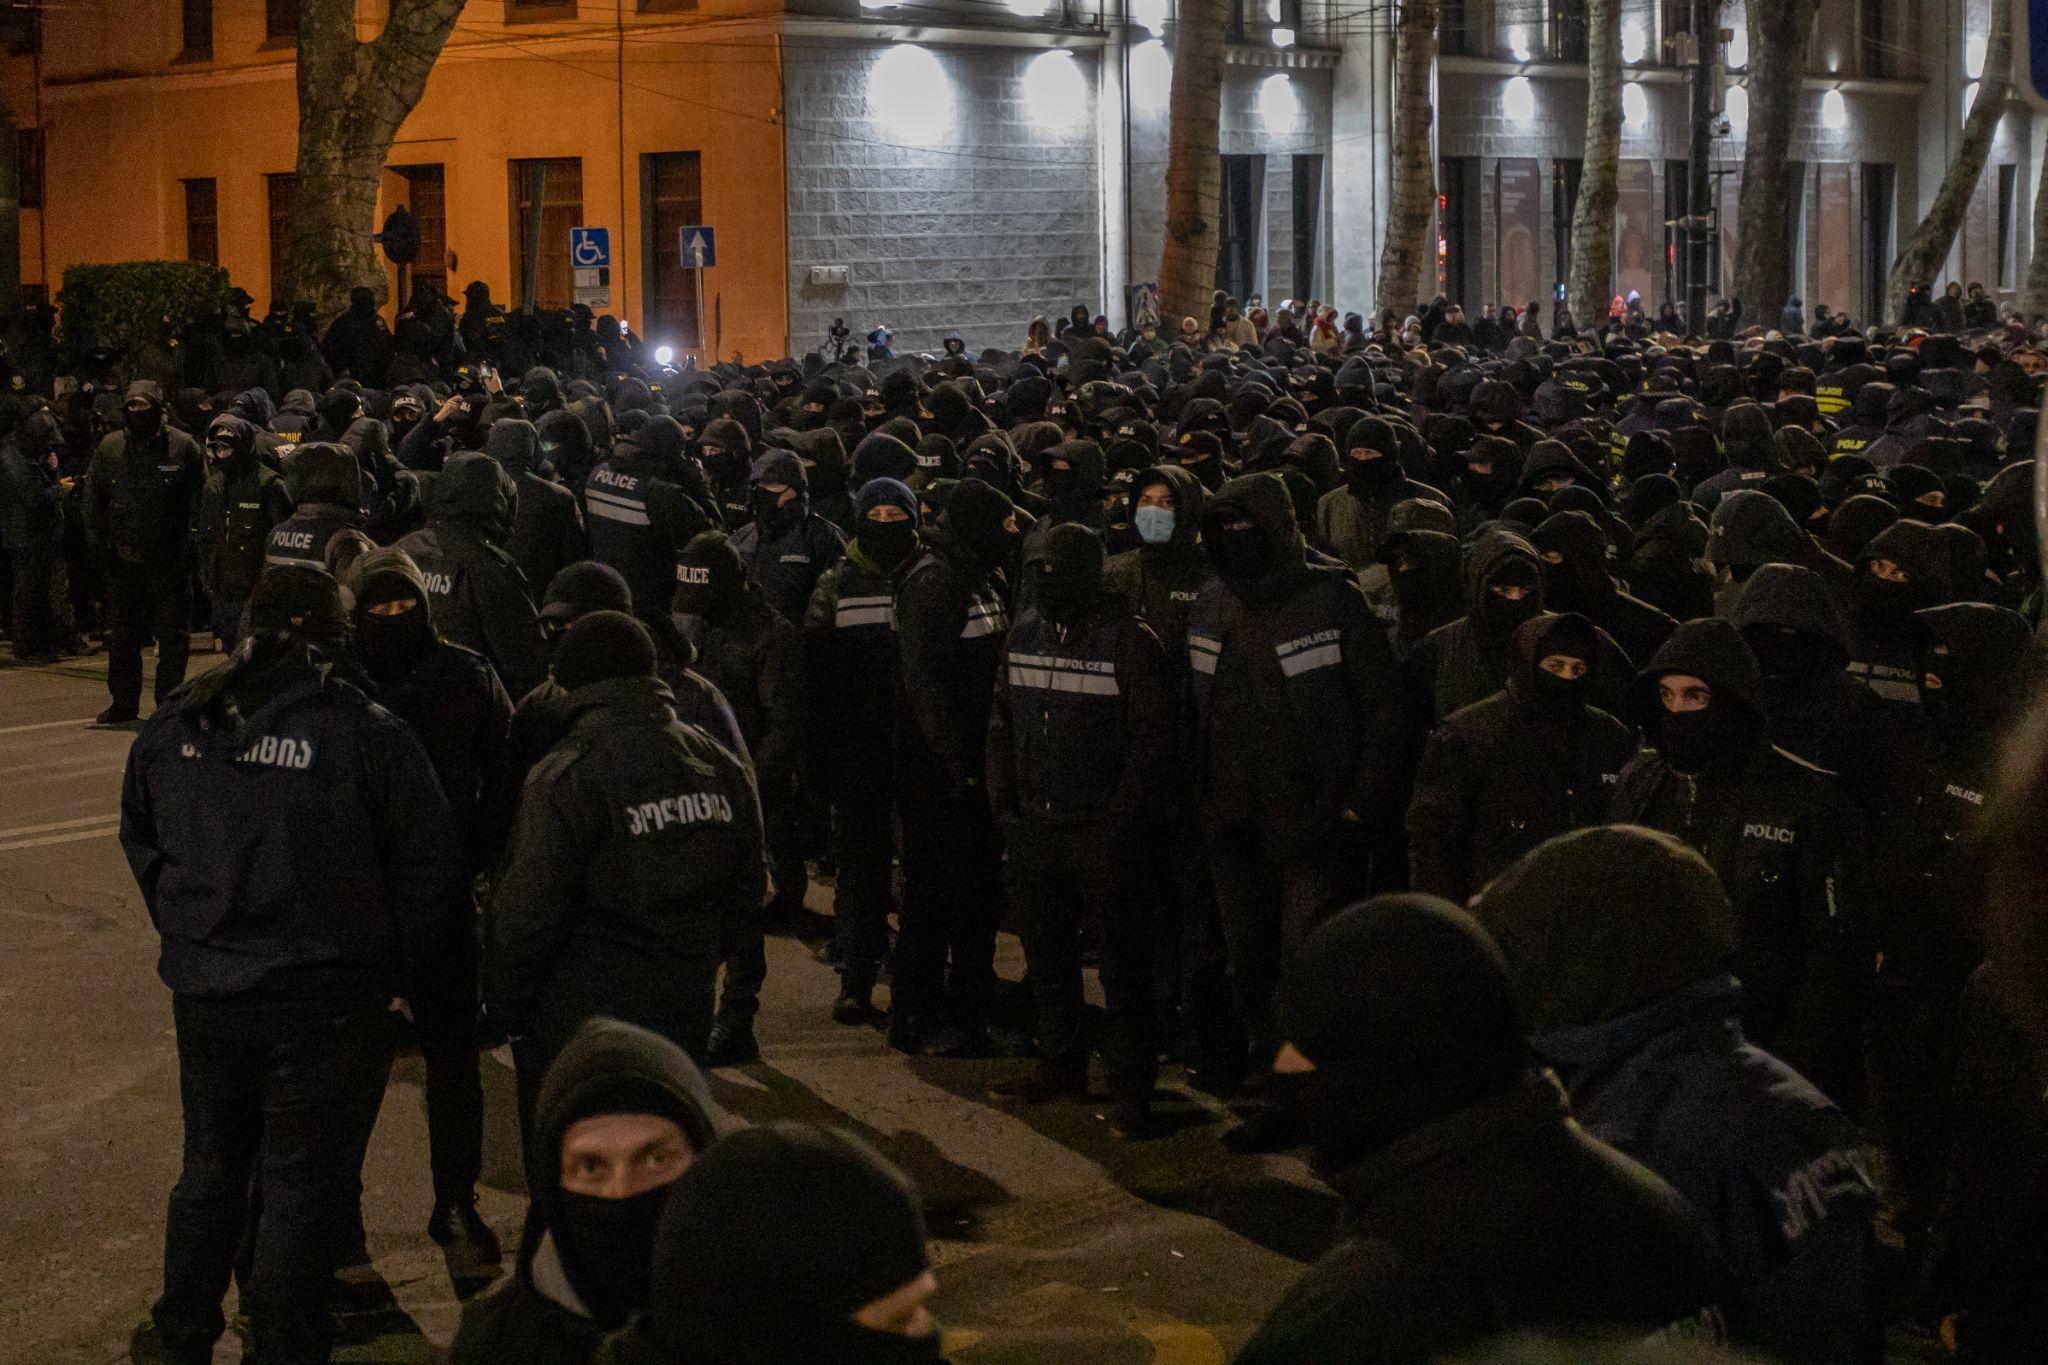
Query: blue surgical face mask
x,y
1155,524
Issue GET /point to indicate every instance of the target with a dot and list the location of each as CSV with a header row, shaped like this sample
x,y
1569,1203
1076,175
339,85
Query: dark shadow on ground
x,y
955,1196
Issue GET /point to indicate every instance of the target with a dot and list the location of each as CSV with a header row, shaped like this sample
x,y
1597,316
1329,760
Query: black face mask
x,y
392,646
1503,616
1371,476
1788,656
1244,555
774,515
608,1249
143,425
1883,606
1065,598
1694,741
887,544
1563,697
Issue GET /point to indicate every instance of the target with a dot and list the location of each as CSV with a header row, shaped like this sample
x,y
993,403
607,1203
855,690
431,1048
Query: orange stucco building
x,y
169,130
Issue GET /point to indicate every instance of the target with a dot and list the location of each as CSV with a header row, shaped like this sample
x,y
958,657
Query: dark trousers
x,y
783,806
226,622
281,1093
1069,886
1268,905
447,1027
745,951
35,606
1211,1036
861,898
145,603
952,902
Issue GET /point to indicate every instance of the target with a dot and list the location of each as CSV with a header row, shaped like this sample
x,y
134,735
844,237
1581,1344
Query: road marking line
x,y
45,725
60,839
18,832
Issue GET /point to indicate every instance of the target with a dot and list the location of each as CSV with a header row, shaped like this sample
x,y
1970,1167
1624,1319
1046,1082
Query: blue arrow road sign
x,y
590,247
700,247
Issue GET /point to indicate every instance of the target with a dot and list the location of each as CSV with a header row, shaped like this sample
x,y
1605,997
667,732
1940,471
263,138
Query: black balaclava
x,y
886,544
711,582
602,646
1568,634
1371,457
148,423
390,646
771,1243
1720,734
1404,1006
1068,573
976,514
1980,658
1500,617
606,1245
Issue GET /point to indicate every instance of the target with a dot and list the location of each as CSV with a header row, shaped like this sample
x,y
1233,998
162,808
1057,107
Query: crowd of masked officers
x,y
1642,702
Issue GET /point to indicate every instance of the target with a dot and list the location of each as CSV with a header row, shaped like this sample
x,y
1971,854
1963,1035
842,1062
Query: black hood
x,y
1751,528
1600,922
1406,1009
1189,498
1985,658
1711,650
226,429
514,443
1263,500
564,441
475,492
610,1067
1486,556
1790,597
1920,551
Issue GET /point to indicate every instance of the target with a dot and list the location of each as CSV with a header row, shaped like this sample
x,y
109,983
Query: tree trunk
x,y
1599,187
1402,258
1194,165
1779,31
1924,254
353,96
2034,303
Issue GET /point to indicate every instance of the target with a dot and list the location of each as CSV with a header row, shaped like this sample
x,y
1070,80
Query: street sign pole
x,y
699,246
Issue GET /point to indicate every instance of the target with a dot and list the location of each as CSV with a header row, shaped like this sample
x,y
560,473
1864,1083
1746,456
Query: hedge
x,y
123,305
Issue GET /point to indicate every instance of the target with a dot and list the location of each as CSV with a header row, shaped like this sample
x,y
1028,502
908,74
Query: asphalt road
x,y
1054,1240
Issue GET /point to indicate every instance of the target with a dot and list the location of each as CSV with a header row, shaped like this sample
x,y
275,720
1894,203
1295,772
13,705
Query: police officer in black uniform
x,y
1081,767
142,497
636,854
242,501
299,863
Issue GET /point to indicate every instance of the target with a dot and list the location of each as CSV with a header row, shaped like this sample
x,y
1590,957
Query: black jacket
x,y
637,849
1457,1232
1778,832
755,660
950,624
142,497
1161,582
853,678
479,596
31,499
304,847
640,517
1085,727
242,501
1667,564
547,527
1502,775
787,565
1294,691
